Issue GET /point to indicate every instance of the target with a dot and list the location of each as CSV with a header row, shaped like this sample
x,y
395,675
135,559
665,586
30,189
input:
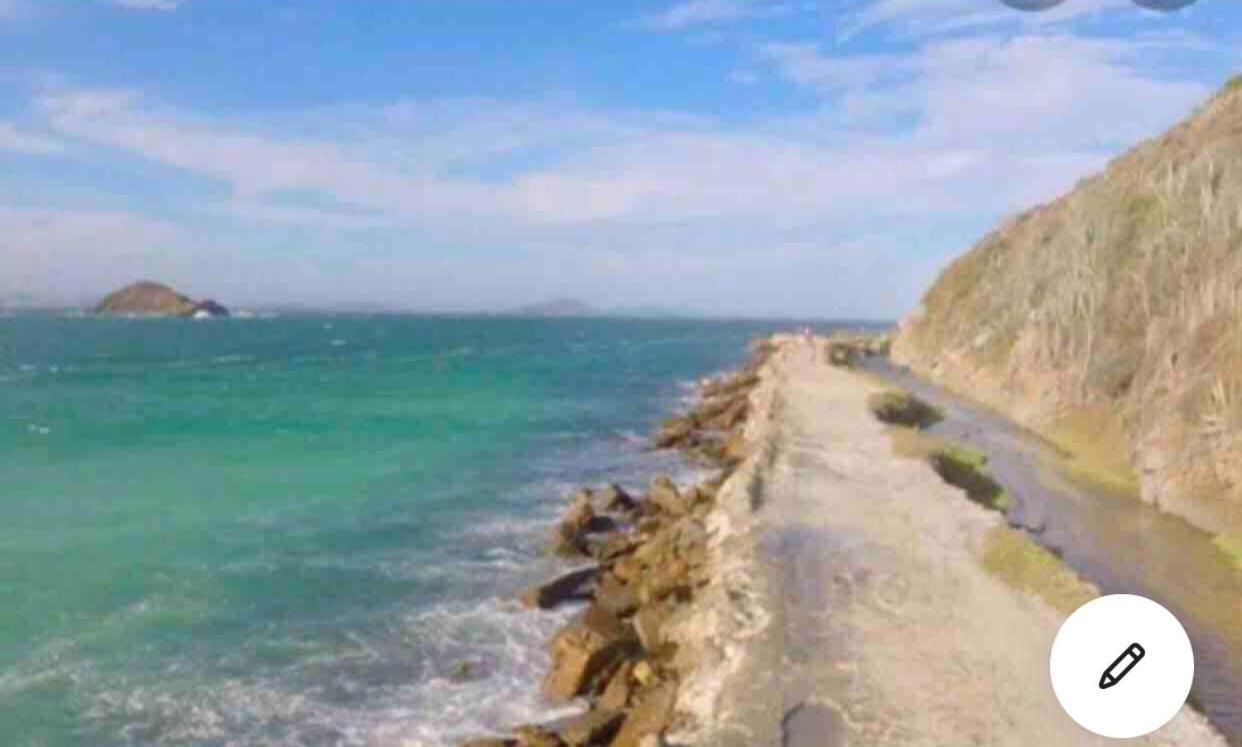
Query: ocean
x,y
305,530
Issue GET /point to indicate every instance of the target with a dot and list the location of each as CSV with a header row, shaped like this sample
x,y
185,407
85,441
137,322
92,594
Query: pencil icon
x,y
1121,666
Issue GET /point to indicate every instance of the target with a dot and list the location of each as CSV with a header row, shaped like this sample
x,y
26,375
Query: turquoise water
x,y
303,530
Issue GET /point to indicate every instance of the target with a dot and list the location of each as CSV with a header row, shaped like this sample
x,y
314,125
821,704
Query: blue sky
x,y
734,157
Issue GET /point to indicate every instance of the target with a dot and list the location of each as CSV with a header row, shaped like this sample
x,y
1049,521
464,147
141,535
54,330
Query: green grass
x,y
957,464
902,408
1022,564
964,455
1231,546
1096,447
966,468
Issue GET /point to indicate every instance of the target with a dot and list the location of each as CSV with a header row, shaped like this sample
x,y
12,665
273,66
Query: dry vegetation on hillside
x,y
1112,317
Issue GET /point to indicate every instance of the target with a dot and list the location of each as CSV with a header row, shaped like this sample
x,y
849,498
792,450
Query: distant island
x,y
156,299
558,307
572,307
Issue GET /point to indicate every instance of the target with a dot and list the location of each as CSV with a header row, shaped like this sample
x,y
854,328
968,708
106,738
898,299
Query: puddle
x,y
1114,540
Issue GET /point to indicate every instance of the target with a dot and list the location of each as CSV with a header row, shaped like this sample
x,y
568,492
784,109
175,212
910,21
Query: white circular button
x,y
1122,666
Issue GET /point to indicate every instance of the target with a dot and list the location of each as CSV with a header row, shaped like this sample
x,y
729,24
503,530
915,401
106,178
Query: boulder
x,y
651,715
209,308
649,622
614,498
616,694
577,517
579,522
580,655
630,568
615,597
735,447
661,582
602,621
644,674
595,727
734,416
537,736
730,385
665,497
674,432
575,586
611,545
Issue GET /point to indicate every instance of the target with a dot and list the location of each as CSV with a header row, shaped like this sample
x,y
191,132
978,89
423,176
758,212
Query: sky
x,y
804,158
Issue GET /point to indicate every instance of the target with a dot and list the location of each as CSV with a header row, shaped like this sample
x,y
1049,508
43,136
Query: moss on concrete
x,y
896,407
1022,564
1231,546
1096,448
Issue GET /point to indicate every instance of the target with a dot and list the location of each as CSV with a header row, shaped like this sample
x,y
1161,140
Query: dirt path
x,y
882,626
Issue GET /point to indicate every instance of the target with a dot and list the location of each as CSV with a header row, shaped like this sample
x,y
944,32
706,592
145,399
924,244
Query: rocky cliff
x,y
146,297
1110,319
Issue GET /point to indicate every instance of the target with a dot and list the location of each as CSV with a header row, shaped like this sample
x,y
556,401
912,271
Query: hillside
x,y
146,297
1111,319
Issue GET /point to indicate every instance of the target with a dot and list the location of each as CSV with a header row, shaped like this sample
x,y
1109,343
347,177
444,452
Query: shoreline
x,y
643,566
774,602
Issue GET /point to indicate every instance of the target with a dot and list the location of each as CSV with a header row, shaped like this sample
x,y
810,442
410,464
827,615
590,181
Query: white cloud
x,y
922,18
20,141
913,153
159,5
691,13
70,254
1041,93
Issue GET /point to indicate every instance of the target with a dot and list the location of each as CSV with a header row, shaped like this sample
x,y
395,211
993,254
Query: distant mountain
x,y
147,297
558,307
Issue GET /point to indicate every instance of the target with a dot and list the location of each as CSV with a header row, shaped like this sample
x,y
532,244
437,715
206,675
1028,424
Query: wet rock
x,y
611,546
649,622
614,498
724,413
575,586
602,621
489,742
578,524
665,497
578,516
734,447
730,385
651,715
571,548
537,736
649,525
595,727
616,694
674,432
662,582
628,569
580,655
616,598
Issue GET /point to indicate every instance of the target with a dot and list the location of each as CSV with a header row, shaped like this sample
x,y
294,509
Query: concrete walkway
x,y
883,627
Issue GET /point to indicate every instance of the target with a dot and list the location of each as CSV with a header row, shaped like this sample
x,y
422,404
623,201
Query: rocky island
x,y
156,299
